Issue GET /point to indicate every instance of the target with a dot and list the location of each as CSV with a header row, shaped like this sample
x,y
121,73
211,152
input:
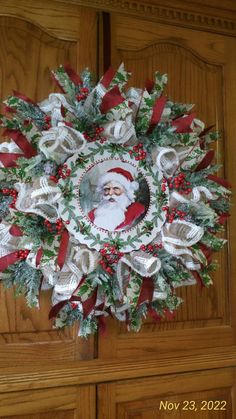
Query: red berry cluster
x,y
84,91
47,120
171,214
138,152
178,182
11,192
110,255
62,173
151,248
95,135
56,228
22,254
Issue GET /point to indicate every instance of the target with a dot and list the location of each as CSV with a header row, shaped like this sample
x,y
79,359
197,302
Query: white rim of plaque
x,y
82,228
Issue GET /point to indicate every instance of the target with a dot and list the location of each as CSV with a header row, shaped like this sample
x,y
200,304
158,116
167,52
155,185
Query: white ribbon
x,y
120,132
199,193
8,243
60,142
144,264
134,95
95,95
53,105
10,148
197,125
79,262
40,197
167,160
180,235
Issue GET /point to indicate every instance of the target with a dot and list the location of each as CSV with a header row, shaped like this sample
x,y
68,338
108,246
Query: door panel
x,y
59,403
207,394
196,64
35,39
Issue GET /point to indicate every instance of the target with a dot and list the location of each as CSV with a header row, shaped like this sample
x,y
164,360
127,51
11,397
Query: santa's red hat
x,y
122,177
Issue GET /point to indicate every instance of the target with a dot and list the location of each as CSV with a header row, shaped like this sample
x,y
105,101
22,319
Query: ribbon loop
x,y
39,197
60,142
53,105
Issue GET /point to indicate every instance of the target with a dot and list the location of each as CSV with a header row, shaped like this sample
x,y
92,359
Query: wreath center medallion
x,y
110,196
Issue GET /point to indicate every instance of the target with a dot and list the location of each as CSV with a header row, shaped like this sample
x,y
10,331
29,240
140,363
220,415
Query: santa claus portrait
x,y
119,201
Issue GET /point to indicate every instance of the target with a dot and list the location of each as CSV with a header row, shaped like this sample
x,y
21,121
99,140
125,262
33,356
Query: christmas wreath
x,y
108,196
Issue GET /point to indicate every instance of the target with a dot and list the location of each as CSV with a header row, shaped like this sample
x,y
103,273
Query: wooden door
x,y
200,68
209,394
36,37
60,403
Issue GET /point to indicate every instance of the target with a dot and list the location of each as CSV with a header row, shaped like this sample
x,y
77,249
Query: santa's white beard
x,y
109,215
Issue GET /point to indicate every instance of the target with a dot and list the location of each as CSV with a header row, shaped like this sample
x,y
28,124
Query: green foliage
x,y
5,201
26,280
26,110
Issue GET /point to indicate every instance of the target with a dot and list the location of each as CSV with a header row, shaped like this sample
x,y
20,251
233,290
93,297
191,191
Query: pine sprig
x,y
26,281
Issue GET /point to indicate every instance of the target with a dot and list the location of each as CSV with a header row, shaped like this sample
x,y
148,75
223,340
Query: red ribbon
x,y
183,124
206,161
169,314
206,130
207,252
23,97
157,112
39,256
9,159
111,99
15,231
88,305
8,109
223,218
55,309
63,248
75,78
102,326
146,292
21,141
7,260
198,279
108,76
149,85
154,315
220,181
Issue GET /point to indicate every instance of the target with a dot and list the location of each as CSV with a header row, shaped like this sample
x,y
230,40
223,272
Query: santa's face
x,y
111,211
112,190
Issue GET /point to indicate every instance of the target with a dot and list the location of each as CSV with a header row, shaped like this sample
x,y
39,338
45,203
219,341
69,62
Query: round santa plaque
x,y
111,196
